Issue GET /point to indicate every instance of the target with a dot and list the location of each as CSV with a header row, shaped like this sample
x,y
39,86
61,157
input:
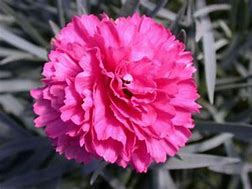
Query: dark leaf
x,y
129,7
36,177
20,145
7,122
181,36
159,6
61,14
112,180
34,161
240,130
91,167
99,170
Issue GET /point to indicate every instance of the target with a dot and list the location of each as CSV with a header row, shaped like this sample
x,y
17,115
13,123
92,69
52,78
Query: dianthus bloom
x,y
119,90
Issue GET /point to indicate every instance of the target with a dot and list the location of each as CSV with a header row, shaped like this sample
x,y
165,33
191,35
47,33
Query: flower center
x,y
127,78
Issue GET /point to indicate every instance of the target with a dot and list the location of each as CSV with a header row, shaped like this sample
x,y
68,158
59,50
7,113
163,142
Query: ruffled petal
x,y
121,91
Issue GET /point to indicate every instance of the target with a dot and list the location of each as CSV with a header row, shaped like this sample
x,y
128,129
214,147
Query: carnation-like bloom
x,y
119,90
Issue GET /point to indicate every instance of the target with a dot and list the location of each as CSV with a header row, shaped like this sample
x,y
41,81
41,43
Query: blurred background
x,y
219,154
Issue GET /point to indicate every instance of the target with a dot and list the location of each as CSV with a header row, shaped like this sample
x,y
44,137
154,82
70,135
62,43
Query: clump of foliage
x,y
219,34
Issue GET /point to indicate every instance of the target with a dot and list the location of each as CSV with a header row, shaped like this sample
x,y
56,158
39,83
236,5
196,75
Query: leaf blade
x,y
21,43
209,53
193,161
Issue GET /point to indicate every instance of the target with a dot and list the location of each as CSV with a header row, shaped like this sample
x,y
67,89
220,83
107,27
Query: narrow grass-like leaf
x,y
34,161
229,80
23,22
159,6
17,85
112,180
91,167
240,9
233,86
11,104
46,7
193,161
220,44
175,24
68,8
231,169
245,180
61,14
100,168
240,44
164,13
207,144
129,7
199,31
230,54
209,53
11,55
6,121
226,28
20,145
21,43
5,74
230,149
188,18
211,8
233,16
162,179
11,52
6,19
14,58
181,36
55,28
35,177
241,130
82,6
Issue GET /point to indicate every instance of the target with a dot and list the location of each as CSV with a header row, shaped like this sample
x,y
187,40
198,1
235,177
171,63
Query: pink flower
x,y
119,90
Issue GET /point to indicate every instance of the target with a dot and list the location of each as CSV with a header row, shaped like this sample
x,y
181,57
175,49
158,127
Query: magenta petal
x,y
55,128
105,125
108,149
118,90
141,159
156,150
109,129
